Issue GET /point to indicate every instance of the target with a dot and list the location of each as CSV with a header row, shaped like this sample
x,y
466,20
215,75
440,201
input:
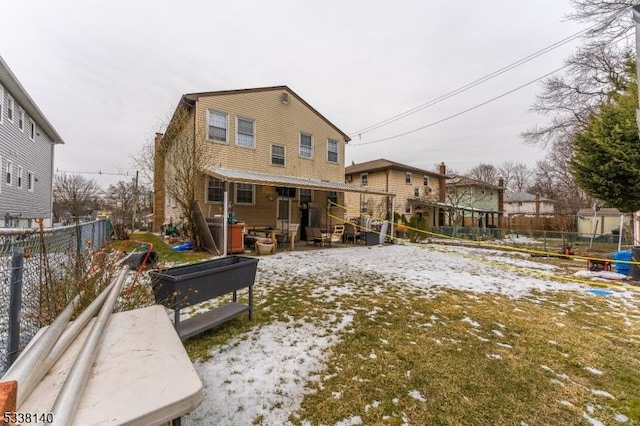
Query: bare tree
x,y
144,160
486,173
75,195
121,199
610,19
184,157
517,176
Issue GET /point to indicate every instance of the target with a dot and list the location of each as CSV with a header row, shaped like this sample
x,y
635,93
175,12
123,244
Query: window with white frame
x,y
32,130
245,133
215,190
277,155
364,207
306,196
407,208
416,191
218,126
364,179
332,151
244,193
306,145
9,172
407,178
30,181
10,108
21,119
19,176
425,180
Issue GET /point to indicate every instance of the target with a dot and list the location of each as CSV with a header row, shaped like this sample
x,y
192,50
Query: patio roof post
x,y
225,217
393,214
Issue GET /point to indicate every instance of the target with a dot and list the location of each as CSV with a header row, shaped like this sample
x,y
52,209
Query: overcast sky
x,y
107,74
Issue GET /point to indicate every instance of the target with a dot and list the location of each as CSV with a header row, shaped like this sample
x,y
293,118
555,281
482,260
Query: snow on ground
x,y
262,374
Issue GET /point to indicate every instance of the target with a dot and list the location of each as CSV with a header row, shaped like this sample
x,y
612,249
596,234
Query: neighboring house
x,y
417,190
600,222
27,142
474,203
523,203
276,159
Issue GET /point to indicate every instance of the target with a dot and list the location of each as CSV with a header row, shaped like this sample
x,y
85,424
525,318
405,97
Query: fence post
x,y
15,304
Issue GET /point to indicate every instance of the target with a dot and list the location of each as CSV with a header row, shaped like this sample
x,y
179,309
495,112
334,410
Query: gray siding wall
x,y
33,156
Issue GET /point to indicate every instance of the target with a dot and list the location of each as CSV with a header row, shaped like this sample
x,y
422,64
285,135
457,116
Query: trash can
x,y
634,270
372,239
621,268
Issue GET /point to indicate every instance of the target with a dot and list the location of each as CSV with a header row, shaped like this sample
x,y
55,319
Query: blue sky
x,y
107,74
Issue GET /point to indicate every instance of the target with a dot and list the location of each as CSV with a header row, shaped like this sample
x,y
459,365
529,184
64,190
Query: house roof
x,y
191,98
518,196
448,205
467,181
11,84
382,164
243,176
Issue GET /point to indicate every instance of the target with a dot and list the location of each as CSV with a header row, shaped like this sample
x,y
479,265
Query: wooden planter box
x,y
182,286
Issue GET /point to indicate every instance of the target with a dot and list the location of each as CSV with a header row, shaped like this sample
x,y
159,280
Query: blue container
x,y
621,268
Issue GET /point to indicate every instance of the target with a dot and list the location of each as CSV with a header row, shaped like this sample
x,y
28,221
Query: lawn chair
x,y
351,232
338,232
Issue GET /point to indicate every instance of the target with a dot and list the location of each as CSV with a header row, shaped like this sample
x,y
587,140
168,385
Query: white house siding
x,y
32,156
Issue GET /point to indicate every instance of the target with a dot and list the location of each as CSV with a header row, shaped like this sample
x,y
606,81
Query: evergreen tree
x,y
606,160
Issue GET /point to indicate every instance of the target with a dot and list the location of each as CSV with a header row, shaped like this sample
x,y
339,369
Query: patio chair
x,y
338,232
351,232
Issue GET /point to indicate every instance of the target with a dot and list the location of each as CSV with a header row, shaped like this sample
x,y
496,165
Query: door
x,y
283,214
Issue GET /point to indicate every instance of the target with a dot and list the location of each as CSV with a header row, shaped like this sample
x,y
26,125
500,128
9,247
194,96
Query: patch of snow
x,y
621,418
494,356
504,345
470,321
602,393
417,396
593,370
497,333
609,275
592,421
351,421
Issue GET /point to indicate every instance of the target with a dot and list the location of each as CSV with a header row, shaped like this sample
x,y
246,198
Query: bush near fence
x,y
48,251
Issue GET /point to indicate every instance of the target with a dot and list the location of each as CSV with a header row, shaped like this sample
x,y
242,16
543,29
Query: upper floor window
x,y
21,119
246,133
30,181
9,172
407,208
306,145
19,176
1,103
215,190
306,196
277,155
425,180
332,151
10,108
218,126
407,178
364,179
32,130
416,191
244,193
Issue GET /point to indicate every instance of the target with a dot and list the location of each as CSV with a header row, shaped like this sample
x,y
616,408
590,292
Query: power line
x,y
461,112
99,172
472,84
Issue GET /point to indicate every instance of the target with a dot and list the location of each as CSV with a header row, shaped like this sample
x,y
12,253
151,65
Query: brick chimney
x,y
158,184
442,183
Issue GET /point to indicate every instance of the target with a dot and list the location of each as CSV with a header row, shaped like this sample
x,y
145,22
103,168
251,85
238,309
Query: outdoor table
x,y
142,374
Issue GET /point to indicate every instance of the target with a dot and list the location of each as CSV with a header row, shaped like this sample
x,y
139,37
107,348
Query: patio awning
x,y
257,178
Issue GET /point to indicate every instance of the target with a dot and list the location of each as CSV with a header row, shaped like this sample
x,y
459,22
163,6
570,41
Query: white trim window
x,y
9,172
416,191
1,104
407,208
408,178
277,155
21,119
19,176
425,180
217,126
306,145
10,108
364,179
244,193
245,132
30,181
332,151
32,130
214,190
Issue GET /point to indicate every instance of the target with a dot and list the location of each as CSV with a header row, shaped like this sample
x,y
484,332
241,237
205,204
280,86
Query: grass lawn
x,y
438,356
165,254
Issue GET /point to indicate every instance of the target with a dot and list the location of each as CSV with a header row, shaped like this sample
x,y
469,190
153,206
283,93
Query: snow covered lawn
x,y
422,335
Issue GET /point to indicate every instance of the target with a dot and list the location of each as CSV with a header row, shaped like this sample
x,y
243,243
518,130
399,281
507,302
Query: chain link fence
x,y
27,260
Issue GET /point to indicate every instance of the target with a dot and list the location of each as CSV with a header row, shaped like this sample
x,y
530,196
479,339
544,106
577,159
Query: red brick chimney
x,y
158,184
442,183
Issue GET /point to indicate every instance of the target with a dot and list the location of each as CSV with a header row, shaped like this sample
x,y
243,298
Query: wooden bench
x,y
187,285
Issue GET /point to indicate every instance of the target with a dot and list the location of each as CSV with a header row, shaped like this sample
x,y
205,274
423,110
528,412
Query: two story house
x,y
474,203
525,204
271,155
417,191
27,142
